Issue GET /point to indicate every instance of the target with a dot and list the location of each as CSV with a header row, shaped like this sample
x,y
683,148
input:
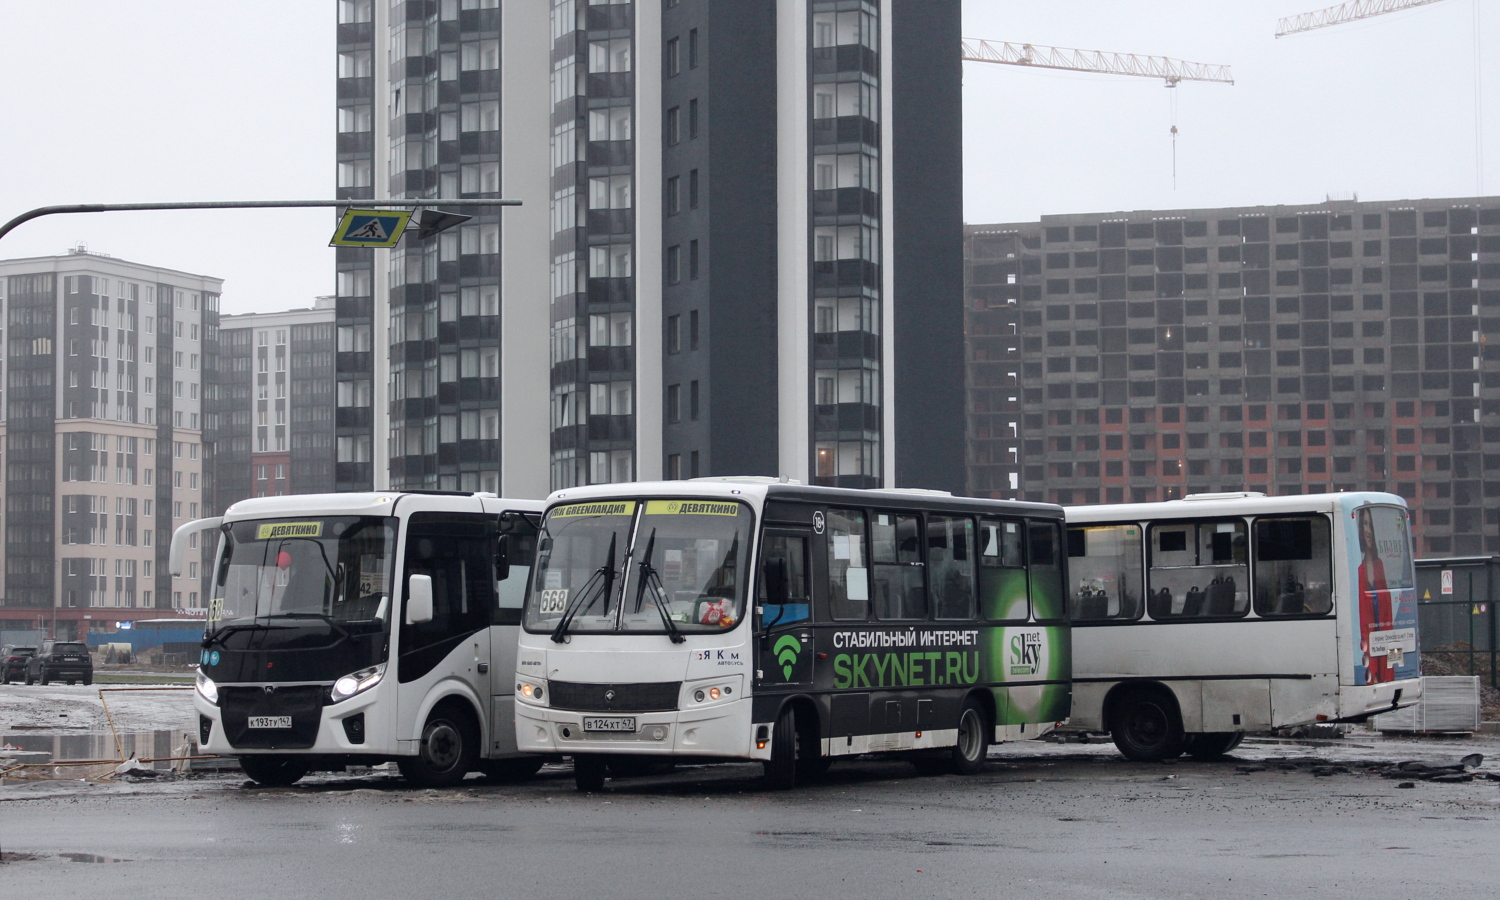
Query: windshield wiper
x,y
332,622
649,576
604,576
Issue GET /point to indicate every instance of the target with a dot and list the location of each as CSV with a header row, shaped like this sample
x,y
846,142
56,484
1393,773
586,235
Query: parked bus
x,y
363,628
1200,619
744,618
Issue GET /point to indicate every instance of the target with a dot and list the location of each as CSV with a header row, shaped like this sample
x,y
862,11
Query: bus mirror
x,y
775,573
418,599
502,557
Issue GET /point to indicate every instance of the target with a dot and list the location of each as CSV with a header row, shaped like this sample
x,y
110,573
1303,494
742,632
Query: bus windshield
x,y
652,566
333,568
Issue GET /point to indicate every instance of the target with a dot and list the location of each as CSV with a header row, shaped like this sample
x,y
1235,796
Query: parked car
x,y
60,661
13,662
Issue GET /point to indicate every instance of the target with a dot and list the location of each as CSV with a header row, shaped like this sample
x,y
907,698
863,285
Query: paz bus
x,y
1197,620
364,628
756,619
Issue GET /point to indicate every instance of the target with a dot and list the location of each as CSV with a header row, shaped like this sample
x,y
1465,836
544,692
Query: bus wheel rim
x,y
442,745
968,734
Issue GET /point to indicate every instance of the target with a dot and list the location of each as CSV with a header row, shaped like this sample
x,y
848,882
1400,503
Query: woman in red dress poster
x,y
1372,587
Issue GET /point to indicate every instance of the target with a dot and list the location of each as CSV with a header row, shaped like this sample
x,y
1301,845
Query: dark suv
x,y
13,662
60,661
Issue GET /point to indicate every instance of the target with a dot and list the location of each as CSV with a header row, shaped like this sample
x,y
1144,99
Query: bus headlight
x,y
206,688
530,691
356,682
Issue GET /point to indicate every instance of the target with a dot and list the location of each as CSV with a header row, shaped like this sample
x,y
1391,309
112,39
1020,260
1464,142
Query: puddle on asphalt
x,y
90,858
29,747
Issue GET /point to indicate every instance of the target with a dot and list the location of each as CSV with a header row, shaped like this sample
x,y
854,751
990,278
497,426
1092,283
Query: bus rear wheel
x,y
1146,726
449,747
1213,745
973,746
273,771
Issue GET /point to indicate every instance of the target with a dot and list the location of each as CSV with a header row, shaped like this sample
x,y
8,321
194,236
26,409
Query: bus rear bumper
x,y
1359,702
722,731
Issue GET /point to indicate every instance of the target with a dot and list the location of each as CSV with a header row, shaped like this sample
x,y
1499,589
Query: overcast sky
x,y
107,101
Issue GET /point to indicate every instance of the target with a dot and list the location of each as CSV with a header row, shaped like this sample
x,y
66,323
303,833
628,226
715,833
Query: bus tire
x,y
588,772
1212,745
447,751
273,771
781,768
508,771
972,749
1146,726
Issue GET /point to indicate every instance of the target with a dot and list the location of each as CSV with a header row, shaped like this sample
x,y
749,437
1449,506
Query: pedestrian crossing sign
x,y
370,228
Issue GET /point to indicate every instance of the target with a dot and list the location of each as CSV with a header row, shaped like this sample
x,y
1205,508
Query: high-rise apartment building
x,y
740,251
436,99
270,405
1291,349
102,369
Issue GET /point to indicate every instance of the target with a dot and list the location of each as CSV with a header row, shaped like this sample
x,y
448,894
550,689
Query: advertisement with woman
x,y
1385,609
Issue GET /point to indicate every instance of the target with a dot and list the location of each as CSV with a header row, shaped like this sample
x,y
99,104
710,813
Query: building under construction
x,y
1141,356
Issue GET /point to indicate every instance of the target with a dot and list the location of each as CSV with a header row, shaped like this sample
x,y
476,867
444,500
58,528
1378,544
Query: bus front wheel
x,y
273,771
1146,726
781,768
449,747
588,772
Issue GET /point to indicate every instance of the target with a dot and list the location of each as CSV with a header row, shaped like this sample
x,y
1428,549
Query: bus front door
x,y
785,647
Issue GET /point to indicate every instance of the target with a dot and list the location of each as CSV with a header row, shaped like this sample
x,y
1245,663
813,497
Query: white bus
x,y
362,628
1200,619
753,619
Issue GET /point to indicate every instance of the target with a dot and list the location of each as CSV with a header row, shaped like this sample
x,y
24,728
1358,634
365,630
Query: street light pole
x,y
40,211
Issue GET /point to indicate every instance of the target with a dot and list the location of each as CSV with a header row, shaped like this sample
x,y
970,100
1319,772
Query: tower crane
x,y
1344,12
1171,71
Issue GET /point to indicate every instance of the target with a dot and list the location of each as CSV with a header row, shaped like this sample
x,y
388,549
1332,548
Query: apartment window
x,y
673,201
610,57
612,192
674,334
693,118
674,404
693,189
693,49
674,264
693,259
674,466
673,126
693,401
693,330
610,124
673,57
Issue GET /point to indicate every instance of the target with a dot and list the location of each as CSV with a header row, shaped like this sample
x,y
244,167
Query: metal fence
x,y
1456,615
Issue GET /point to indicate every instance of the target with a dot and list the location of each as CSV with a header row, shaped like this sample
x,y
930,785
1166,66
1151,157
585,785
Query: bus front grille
x,y
302,704
657,696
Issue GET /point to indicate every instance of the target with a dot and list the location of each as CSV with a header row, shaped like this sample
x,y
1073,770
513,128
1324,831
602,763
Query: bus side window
x,y
1198,570
897,558
1293,566
1002,571
950,565
848,566
791,552
1105,567
1045,572
520,544
458,552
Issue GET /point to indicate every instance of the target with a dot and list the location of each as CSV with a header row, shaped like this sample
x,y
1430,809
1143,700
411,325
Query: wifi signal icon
x,y
786,650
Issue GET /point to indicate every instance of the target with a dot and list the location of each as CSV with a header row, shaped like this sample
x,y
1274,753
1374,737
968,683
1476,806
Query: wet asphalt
x,y
1043,820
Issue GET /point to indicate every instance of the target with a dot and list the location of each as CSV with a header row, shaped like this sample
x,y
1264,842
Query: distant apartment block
x,y
102,368
270,405
1291,349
